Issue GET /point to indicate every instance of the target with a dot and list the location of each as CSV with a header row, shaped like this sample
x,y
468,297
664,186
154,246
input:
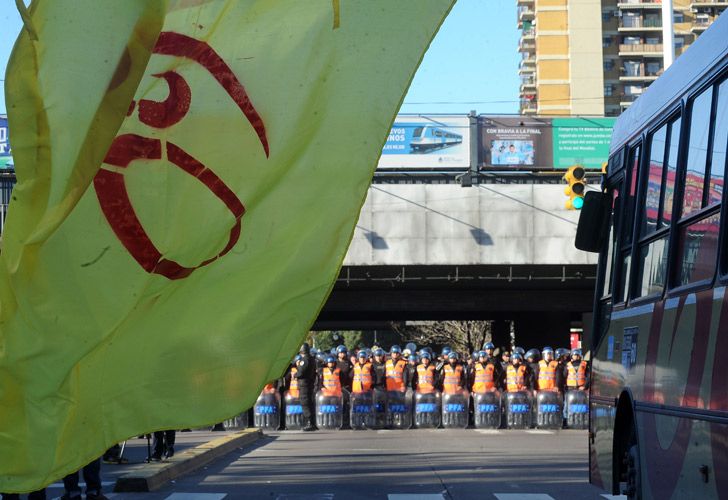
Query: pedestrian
x,y
163,445
92,477
306,375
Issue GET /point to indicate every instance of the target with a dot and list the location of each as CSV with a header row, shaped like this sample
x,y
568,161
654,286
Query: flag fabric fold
x,y
187,189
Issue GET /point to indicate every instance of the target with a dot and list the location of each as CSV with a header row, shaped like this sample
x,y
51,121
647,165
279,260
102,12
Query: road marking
x,y
487,431
538,431
415,496
196,496
82,485
316,496
614,497
523,496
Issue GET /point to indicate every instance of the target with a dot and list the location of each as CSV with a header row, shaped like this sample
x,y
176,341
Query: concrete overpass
x,y
440,251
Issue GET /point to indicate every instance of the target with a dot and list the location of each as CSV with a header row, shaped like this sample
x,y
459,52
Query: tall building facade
x,y
595,57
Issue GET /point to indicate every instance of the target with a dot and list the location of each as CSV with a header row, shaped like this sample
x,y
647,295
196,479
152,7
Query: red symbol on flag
x,y
127,148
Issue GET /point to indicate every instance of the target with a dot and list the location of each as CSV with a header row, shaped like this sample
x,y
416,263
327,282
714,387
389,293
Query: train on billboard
x,y
429,142
6,159
505,142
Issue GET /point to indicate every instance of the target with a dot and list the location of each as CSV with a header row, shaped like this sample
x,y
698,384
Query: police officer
x,y
489,349
442,359
410,371
363,376
453,375
562,358
329,378
549,377
379,368
305,375
576,373
344,365
519,376
532,358
394,370
505,359
426,376
485,374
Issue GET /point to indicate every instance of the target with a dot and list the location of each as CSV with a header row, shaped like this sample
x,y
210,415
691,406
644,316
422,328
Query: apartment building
x,y
597,56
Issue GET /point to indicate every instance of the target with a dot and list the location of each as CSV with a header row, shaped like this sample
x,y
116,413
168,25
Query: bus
x,y
659,381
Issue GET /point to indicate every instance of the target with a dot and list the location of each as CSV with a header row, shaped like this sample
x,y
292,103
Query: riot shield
x,y
577,410
329,411
237,422
549,410
427,410
379,402
455,410
361,410
267,411
519,412
399,411
487,411
294,413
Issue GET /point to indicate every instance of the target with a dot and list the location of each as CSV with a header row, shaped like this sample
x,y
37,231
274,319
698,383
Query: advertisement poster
x,y
516,143
6,160
583,141
428,142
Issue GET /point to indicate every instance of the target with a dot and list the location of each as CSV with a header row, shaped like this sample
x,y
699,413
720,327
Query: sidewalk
x,y
192,450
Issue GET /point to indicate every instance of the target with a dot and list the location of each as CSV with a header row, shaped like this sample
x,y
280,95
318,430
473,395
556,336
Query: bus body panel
x,y
663,353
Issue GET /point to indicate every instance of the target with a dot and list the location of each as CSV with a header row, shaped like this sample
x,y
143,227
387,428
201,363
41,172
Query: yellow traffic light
x,y
574,176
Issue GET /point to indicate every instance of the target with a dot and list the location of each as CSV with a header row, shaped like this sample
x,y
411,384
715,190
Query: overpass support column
x,y
501,331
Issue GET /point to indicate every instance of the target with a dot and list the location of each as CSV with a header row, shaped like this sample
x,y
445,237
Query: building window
x,y
652,40
653,68
678,17
679,42
608,64
632,40
606,41
608,90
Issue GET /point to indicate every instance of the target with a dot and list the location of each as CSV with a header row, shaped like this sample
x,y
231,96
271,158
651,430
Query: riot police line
x,y
409,389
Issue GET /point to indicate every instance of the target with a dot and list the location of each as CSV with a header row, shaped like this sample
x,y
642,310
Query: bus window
x,y
697,152
697,242
698,249
652,267
650,209
609,262
633,168
668,192
720,142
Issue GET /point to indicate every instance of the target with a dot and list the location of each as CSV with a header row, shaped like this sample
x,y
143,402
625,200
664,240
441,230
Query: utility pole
x,y
668,34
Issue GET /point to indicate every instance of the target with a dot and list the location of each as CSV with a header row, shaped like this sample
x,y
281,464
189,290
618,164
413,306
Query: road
x,y
394,465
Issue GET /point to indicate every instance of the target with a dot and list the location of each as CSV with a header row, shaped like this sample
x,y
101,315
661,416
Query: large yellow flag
x,y
156,272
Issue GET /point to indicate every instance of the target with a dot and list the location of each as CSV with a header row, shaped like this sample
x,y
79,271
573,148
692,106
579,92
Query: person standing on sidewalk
x,y
306,376
92,477
163,445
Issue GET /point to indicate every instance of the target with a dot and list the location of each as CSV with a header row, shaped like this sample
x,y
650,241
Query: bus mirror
x,y
593,222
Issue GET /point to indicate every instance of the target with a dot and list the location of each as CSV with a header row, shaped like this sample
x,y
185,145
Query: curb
x,y
155,475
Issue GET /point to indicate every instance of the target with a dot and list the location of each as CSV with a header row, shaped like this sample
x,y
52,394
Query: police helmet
x,y
341,348
519,350
547,349
330,359
362,354
313,351
517,355
413,357
406,353
305,348
576,352
561,352
395,348
446,350
425,355
411,346
428,350
532,353
298,358
332,350
379,351
452,355
482,354
488,345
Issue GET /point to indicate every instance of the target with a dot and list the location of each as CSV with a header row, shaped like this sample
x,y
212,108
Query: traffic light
x,y
574,176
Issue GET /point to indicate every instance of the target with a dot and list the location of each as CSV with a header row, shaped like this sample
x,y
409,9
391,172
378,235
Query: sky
x,y
471,65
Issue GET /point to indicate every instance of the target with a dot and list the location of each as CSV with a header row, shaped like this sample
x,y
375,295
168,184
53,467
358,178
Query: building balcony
x,y
640,4
701,24
709,3
641,25
628,99
525,13
529,47
528,3
640,49
638,77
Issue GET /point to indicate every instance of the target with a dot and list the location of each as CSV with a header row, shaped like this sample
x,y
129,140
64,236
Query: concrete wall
x,y
445,224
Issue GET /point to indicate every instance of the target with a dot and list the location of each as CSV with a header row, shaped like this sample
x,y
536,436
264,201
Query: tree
x,y
462,336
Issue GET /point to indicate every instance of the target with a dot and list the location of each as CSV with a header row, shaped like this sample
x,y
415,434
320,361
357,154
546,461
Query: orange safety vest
x,y
484,378
576,376
516,378
293,388
451,383
331,381
395,375
547,375
362,378
425,379
269,389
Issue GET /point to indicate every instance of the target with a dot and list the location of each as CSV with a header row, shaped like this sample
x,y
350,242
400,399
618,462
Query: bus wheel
x,y
633,488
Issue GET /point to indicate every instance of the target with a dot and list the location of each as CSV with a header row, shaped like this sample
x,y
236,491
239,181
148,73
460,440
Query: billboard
x,y
515,143
429,142
536,143
6,160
